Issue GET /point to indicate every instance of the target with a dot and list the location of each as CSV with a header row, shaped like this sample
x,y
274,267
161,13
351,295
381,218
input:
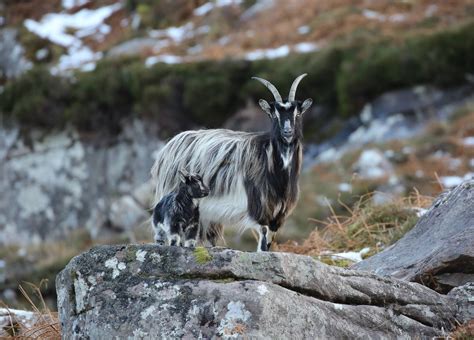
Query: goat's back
x,y
219,156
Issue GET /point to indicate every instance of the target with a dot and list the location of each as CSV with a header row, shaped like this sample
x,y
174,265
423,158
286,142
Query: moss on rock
x,y
201,255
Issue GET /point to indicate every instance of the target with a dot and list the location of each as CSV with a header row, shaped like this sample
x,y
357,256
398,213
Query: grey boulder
x,y
439,250
151,292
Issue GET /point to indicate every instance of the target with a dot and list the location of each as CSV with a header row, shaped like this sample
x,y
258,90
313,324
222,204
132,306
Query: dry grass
x,y
42,323
463,332
364,225
329,21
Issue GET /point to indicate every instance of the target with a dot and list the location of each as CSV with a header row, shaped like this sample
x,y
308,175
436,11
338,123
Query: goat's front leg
x,y
265,238
175,234
191,235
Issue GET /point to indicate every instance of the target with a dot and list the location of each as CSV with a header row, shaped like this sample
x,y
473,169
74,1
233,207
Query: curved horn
x,y
271,87
294,86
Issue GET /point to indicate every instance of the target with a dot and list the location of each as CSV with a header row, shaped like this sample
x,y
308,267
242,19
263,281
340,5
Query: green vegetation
x,y
342,78
202,255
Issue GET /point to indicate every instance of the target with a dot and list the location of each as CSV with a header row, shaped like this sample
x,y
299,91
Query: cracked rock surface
x,y
439,250
151,291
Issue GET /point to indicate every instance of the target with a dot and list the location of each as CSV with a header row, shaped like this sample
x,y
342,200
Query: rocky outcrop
x,y
438,251
53,183
12,60
151,292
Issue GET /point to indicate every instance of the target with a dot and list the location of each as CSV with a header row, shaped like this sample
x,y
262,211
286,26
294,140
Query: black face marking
x,y
196,187
287,121
178,210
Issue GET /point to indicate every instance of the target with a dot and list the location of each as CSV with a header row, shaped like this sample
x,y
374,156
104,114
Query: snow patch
x,y
69,4
354,256
345,187
41,54
204,9
55,26
452,181
259,6
373,15
176,34
164,58
469,141
303,29
271,53
209,6
372,164
420,211
306,47
67,30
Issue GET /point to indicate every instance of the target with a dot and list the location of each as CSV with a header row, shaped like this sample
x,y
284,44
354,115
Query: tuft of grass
x,y
463,332
201,255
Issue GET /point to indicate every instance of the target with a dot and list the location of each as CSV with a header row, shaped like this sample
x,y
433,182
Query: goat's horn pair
x,y
274,91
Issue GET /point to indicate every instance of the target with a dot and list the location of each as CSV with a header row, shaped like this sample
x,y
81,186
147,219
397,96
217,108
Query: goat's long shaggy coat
x,y
252,177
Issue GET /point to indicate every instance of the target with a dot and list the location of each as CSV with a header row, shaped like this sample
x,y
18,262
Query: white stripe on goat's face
x,y
288,121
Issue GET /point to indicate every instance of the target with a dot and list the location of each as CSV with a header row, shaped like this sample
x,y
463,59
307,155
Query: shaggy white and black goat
x,y
176,216
252,177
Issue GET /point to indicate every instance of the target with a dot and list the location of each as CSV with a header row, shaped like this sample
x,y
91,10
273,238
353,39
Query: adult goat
x,y
252,177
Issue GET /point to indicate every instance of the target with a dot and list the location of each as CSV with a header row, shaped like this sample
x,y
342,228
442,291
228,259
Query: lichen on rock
x,y
230,294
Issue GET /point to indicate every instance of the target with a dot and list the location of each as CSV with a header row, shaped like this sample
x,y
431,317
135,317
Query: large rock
x,y
155,292
439,250
56,182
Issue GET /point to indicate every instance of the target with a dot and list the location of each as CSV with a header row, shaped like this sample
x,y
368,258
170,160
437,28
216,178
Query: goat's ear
x,y
265,107
306,105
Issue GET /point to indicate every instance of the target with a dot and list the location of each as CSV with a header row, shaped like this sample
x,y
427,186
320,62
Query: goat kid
x,y
176,217
253,177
